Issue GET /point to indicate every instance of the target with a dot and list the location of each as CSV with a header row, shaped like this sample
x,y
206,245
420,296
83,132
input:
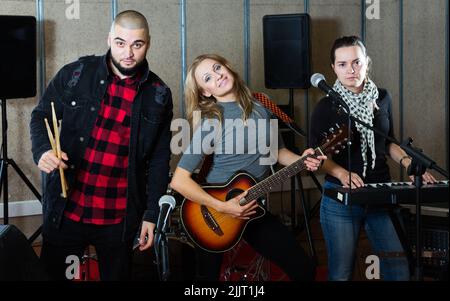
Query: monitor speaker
x,y
287,51
18,261
18,57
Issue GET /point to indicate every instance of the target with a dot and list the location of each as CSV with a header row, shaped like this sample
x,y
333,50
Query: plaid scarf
x,y
362,106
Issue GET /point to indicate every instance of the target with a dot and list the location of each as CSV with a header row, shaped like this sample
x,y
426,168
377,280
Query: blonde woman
x,y
215,90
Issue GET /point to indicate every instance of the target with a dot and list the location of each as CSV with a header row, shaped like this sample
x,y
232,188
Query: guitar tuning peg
x,y
324,134
331,130
337,125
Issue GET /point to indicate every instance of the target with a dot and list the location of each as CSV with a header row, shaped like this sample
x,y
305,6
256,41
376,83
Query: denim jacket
x,y
77,91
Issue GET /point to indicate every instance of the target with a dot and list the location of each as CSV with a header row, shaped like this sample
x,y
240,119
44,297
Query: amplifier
x,y
435,236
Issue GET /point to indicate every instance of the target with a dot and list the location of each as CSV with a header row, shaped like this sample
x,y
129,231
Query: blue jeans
x,y
341,225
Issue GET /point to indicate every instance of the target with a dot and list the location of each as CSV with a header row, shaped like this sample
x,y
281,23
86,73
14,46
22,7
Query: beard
x,y
127,71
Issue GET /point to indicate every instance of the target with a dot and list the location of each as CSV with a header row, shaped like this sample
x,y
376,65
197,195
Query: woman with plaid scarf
x,y
368,164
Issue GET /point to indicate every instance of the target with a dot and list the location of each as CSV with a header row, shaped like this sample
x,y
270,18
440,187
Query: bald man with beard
x,y
115,139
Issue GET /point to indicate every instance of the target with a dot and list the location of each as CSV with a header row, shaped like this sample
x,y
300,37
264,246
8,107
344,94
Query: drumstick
x,y
50,135
59,129
52,140
58,150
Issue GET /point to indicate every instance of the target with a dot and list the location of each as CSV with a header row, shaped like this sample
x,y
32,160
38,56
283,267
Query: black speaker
x,y
287,51
18,261
18,57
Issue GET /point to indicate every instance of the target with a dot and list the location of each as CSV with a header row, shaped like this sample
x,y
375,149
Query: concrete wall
x,y
418,86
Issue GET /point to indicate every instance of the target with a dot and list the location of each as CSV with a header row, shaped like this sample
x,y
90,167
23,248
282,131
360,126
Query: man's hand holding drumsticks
x,y
53,159
49,161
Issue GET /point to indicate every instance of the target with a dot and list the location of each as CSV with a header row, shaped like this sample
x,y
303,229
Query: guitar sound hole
x,y
234,193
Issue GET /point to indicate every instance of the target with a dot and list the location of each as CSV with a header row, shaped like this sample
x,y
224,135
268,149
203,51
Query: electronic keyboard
x,y
389,193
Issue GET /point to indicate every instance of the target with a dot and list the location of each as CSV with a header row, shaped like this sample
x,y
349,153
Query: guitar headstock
x,y
336,140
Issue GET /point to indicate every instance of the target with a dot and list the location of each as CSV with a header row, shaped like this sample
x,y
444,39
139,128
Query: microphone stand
x,y
419,164
289,122
342,108
299,132
162,256
166,203
165,271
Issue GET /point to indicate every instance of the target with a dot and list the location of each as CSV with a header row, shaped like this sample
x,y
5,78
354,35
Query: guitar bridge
x,y
210,221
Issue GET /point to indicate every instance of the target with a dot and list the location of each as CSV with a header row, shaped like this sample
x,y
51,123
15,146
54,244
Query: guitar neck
x,y
280,176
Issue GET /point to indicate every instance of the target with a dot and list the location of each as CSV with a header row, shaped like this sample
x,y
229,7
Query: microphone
x,y
318,81
166,205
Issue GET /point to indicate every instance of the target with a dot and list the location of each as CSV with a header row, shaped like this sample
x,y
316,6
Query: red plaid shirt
x,y
99,195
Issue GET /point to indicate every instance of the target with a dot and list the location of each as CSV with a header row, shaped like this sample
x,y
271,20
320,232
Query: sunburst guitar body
x,y
212,230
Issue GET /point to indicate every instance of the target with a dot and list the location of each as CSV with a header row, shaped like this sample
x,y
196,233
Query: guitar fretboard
x,y
271,182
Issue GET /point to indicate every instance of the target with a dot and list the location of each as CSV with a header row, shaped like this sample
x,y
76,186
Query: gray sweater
x,y
236,147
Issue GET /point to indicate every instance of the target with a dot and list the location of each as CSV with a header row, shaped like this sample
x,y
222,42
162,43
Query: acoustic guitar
x,y
218,232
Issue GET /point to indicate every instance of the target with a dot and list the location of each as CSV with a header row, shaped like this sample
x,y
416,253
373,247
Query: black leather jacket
x,y
77,91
